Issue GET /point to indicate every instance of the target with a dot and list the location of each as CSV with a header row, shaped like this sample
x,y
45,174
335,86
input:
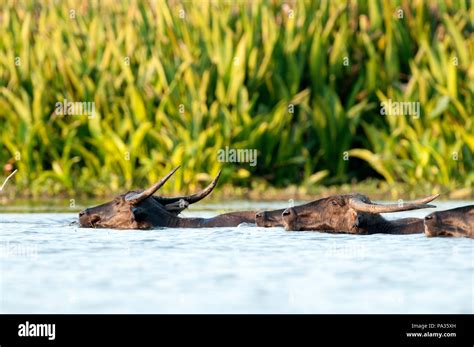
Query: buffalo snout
x,y
431,227
290,217
88,219
261,219
430,217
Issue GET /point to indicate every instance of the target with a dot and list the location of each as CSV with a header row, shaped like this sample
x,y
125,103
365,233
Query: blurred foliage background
x,y
175,81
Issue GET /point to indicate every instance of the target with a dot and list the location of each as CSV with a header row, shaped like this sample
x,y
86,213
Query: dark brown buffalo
x,y
352,213
141,210
457,222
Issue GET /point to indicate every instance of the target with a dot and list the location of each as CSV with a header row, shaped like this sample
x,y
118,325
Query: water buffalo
x,y
456,222
352,213
141,210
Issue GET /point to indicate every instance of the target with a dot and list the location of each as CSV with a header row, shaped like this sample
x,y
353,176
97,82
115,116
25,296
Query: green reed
x,y
173,82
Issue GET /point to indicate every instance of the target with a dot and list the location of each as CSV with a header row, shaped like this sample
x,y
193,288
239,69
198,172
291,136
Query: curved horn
x,y
136,198
190,199
361,206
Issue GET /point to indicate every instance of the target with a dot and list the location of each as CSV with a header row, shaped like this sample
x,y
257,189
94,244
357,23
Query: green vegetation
x,y
173,82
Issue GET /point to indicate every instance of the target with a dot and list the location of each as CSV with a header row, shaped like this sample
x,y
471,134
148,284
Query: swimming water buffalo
x,y
351,213
457,222
141,210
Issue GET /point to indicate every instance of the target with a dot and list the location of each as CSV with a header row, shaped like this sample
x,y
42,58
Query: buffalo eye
x,y
334,203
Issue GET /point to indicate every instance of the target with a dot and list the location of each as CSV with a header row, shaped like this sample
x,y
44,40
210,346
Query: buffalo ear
x,y
179,205
139,213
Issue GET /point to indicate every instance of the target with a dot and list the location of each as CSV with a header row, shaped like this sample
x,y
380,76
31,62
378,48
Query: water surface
x,y
48,265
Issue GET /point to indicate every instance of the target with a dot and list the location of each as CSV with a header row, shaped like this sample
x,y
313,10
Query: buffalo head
x,y
348,213
139,209
269,219
456,222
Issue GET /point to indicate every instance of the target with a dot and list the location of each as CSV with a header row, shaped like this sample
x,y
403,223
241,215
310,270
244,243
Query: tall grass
x,y
173,82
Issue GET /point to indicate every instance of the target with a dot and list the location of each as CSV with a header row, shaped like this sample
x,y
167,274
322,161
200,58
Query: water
x,y
50,266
